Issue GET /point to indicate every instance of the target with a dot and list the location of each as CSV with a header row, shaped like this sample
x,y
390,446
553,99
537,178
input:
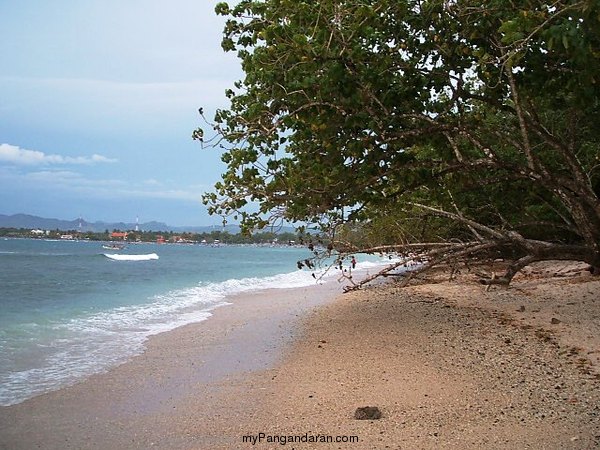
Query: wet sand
x,y
448,364
175,383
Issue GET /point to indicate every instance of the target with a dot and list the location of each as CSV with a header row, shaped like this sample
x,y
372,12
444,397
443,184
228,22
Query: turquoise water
x,y
67,311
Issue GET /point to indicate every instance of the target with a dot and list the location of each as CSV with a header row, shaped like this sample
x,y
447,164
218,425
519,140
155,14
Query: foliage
x,y
446,121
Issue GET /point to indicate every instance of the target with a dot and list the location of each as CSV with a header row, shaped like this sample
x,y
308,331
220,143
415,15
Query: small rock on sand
x,y
367,413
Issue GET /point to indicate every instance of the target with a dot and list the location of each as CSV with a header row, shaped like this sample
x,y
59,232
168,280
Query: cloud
x,y
16,155
68,179
57,181
76,183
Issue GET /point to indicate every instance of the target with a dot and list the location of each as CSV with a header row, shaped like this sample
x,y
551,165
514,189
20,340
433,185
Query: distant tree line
x,y
155,236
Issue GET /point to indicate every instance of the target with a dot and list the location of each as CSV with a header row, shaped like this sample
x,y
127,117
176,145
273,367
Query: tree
x,y
479,120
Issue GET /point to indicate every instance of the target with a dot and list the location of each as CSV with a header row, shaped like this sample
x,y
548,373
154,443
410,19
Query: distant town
x,y
35,227
162,237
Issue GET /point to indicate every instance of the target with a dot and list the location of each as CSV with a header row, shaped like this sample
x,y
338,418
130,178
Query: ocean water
x,y
67,311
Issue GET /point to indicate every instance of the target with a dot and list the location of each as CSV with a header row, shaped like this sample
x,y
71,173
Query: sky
x,y
98,102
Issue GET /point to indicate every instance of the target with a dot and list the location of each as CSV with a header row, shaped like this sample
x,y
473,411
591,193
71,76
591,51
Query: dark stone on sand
x,y
554,321
367,413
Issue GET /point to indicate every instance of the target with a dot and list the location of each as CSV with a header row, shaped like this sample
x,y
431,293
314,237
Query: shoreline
x,y
449,365
248,334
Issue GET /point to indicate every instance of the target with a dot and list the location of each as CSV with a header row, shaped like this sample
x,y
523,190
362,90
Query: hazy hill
x,y
36,222
28,221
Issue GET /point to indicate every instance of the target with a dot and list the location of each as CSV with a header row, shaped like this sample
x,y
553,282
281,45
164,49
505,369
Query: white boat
x,y
120,257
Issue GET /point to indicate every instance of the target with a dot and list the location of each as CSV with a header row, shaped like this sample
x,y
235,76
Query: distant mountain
x,y
35,222
28,221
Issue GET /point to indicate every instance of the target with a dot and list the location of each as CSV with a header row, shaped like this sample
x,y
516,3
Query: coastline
x,y
449,365
179,375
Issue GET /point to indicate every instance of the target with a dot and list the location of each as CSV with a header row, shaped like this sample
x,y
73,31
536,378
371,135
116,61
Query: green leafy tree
x,y
477,119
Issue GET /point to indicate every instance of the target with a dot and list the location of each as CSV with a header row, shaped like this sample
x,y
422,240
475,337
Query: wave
x,y
60,353
79,347
118,257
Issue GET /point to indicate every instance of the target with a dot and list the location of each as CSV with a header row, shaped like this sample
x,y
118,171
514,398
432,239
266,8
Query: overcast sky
x,y
98,101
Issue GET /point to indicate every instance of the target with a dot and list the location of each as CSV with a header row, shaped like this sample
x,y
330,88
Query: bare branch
x,y
461,219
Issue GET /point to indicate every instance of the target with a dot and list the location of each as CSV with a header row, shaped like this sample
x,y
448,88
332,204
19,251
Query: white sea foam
x,y
118,257
71,349
87,345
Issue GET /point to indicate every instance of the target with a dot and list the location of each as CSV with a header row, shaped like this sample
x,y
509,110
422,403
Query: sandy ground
x,y
448,364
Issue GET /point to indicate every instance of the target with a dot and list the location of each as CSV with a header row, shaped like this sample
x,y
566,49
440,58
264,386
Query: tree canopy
x,y
456,127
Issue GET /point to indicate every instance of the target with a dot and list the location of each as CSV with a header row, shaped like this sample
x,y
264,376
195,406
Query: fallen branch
x,y
445,254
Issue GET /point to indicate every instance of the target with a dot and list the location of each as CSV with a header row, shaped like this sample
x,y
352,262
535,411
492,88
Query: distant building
x,y
118,235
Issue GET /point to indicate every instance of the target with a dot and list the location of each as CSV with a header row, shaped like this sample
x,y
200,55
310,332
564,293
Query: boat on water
x,y
113,246
121,257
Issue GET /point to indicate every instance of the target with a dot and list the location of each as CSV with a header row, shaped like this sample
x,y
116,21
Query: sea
x,y
67,310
